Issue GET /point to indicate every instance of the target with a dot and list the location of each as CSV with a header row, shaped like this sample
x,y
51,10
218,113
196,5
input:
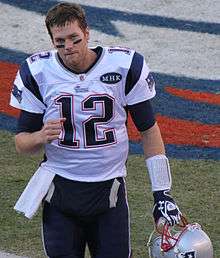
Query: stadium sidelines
x,y
178,43
187,76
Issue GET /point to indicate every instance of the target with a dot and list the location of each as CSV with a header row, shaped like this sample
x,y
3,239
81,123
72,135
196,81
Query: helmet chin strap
x,y
166,239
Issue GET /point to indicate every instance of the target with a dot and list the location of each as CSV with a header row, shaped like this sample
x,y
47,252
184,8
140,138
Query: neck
x,y
86,61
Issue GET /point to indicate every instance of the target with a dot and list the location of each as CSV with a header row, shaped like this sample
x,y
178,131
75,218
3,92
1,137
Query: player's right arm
x,y
32,133
30,143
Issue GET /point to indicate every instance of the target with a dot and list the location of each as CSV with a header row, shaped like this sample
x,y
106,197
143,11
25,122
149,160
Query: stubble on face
x,y
71,43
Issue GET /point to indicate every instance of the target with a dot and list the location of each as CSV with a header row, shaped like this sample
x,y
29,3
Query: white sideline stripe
x,y
26,30
168,51
186,10
8,255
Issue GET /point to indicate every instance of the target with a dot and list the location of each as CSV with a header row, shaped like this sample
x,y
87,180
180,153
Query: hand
x,y
165,207
51,130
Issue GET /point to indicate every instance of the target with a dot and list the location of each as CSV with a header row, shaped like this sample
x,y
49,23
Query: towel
x,y
33,194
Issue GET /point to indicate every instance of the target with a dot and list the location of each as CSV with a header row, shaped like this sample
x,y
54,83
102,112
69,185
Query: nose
x,y
68,44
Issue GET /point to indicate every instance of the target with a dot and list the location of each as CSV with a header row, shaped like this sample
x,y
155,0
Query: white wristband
x,y
159,172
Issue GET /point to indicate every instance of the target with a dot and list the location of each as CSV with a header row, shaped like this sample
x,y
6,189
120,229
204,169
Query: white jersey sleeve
x,y
140,85
25,93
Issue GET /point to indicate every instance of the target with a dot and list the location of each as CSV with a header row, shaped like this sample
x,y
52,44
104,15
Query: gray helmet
x,y
190,241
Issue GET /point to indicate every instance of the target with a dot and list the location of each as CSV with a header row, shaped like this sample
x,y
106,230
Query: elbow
x,y
18,145
18,149
21,143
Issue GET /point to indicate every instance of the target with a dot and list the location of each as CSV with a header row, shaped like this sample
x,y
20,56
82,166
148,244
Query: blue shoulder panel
x,y
29,81
134,72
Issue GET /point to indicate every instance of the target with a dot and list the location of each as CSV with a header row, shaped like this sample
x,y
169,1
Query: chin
x,y
72,63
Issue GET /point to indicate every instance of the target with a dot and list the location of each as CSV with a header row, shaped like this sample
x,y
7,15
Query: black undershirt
x,y
141,114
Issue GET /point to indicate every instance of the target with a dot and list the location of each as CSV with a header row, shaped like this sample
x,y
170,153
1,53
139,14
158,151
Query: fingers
x,y
52,130
174,219
59,120
172,214
166,208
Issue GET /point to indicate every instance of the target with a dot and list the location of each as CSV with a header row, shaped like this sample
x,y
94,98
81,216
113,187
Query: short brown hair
x,y
61,13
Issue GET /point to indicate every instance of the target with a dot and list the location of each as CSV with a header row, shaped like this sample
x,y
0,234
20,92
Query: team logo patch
x,y
111,78
191,254
17,93
150,81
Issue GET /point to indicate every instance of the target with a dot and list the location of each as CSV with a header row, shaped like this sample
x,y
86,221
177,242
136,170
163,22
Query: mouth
x,y
71,53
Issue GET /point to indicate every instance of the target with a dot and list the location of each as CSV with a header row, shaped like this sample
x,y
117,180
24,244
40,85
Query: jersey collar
x,y
98,50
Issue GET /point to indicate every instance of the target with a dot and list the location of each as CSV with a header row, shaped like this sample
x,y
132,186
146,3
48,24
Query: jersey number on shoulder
x,y
43,55
90,125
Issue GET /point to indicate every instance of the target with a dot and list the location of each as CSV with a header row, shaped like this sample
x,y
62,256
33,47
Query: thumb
x,y
62,119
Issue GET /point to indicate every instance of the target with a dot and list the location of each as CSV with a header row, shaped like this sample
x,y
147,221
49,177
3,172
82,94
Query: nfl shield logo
x,y
82,77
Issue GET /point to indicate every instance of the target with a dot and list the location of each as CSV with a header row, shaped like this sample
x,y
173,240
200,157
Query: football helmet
x,y
181,241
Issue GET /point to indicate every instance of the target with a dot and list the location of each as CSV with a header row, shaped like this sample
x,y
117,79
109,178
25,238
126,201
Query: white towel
x,y
36,189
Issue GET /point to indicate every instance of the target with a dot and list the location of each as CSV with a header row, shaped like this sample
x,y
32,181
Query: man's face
x,y
71,43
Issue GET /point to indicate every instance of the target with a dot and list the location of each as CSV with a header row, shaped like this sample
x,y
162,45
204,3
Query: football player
x,y
74,102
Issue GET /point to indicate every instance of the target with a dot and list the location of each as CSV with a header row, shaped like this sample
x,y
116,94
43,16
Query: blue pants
x,y
95,214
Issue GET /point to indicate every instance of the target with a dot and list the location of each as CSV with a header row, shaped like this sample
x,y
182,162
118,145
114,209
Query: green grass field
x,y
196,188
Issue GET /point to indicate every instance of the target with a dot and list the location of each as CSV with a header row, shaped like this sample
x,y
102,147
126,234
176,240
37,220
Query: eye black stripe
x,y
77,41
60,46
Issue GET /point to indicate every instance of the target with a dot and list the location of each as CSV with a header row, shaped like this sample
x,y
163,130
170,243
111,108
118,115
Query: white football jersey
x,y
93,145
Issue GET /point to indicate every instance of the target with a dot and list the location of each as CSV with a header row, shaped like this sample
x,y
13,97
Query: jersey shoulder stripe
x,y
29,81
134,72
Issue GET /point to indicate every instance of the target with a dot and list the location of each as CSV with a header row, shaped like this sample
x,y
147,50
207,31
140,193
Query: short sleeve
x,y
140,84
25,94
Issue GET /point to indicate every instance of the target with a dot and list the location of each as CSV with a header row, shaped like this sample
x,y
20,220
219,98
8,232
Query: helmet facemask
x,y
180,241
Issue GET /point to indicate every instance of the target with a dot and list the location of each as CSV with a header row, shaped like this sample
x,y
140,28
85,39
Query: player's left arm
x,y
156,161
152,142
139,90
160,176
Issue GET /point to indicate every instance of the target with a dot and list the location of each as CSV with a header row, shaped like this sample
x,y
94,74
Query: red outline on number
x,y
97,124
174,131
72,121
